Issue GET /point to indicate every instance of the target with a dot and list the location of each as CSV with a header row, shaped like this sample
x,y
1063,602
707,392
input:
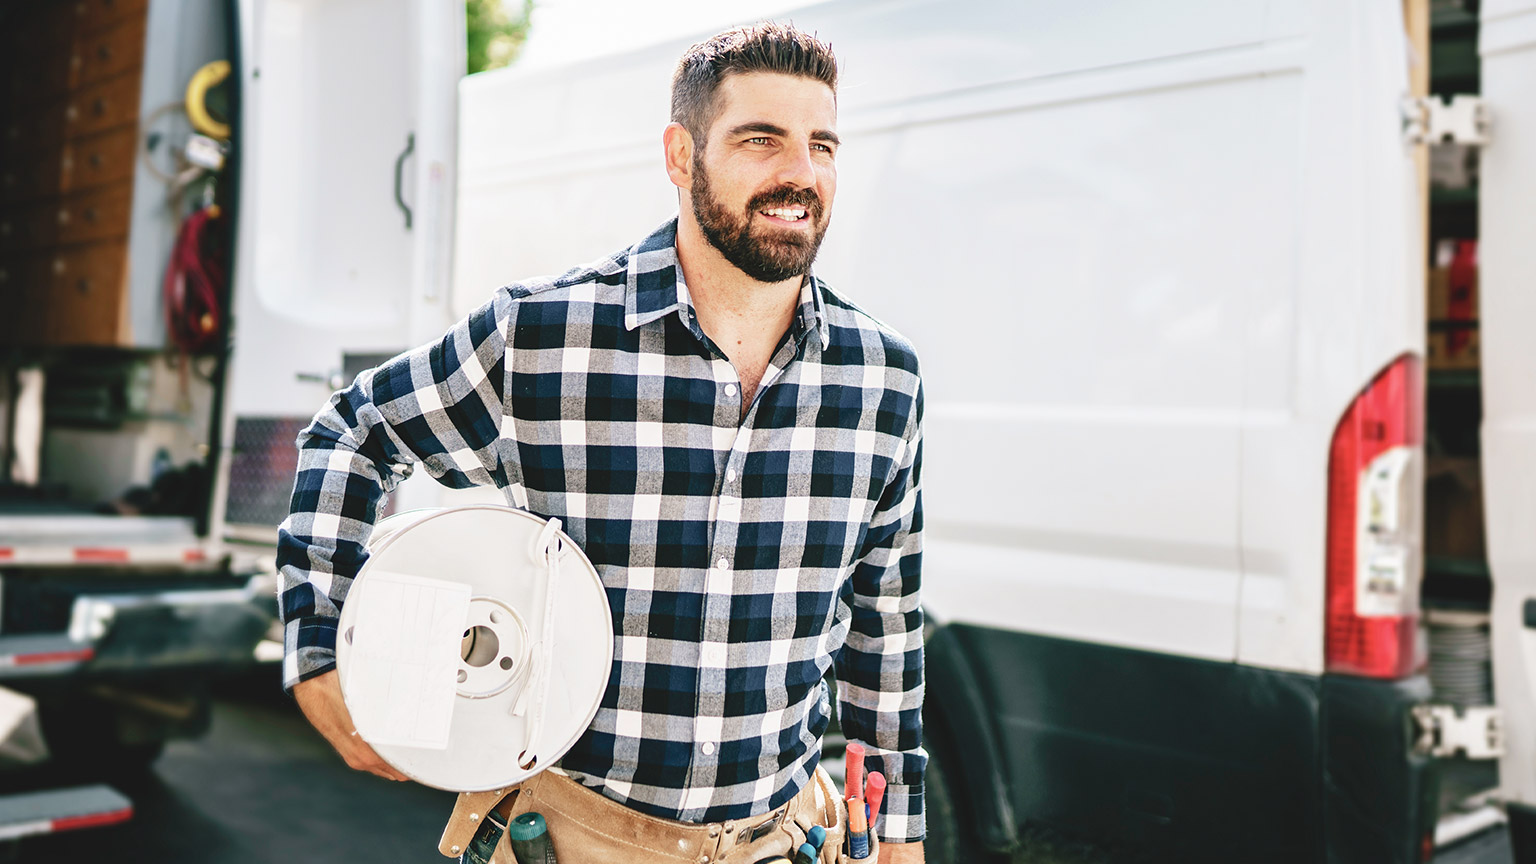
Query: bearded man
x,y
737,449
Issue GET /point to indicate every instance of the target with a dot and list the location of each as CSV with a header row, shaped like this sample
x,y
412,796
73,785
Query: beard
x,y
770,254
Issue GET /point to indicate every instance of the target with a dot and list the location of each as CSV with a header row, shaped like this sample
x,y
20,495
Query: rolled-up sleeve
x,y
440,406
880,671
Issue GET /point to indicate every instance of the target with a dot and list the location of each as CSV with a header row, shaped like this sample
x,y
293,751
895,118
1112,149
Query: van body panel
x,y
1507,274
338,98
1172,230
1350,303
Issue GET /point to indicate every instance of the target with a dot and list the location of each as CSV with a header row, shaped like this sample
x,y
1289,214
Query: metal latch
x,y
1431,120
1445,729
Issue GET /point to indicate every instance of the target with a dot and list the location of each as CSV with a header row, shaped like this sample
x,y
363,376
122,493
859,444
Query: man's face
x,y
765,176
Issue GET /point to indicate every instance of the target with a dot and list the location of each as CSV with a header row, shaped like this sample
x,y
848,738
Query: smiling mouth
x,y
790,215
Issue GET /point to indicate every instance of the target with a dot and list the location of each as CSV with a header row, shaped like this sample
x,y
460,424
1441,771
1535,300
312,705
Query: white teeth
x,y
786,213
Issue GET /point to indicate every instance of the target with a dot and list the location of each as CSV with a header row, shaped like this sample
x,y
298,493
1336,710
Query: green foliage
x,y
496,35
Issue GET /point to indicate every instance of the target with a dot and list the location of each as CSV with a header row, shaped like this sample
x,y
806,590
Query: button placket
x,y
714,646
725,521
727,391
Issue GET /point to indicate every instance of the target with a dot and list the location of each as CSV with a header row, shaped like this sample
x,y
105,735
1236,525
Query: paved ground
x,y
263,788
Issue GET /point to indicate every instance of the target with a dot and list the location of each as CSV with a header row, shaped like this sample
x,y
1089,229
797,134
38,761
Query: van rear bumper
x,y
1380,799
1196,760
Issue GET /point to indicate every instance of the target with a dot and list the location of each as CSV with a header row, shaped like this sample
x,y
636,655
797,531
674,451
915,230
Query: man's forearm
x,y
442,398
901,853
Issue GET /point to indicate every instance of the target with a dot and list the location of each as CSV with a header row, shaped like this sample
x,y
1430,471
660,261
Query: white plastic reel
x,y
456,662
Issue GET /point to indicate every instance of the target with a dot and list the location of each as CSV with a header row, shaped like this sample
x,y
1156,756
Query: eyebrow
x,y
773,129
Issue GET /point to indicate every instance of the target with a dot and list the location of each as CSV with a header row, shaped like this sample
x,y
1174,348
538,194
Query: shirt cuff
x,y
309,649
901,819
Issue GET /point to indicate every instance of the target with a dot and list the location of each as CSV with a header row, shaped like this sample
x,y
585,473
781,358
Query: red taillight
x,y
1375,496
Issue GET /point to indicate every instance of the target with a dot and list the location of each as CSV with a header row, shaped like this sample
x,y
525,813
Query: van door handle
x,y
335,380
1530,612
410,146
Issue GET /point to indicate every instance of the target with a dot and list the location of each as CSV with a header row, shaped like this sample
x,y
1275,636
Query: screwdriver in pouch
x,y
483,846
874,793
530,840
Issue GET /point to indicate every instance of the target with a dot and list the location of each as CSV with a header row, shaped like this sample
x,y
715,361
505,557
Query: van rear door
x,y
1507,263
346,175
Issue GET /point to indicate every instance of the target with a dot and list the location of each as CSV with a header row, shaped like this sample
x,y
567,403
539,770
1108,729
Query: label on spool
x,y
405,659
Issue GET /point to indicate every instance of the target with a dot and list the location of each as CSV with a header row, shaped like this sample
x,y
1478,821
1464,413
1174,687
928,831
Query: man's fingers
x,y
320,700
385,770
362,757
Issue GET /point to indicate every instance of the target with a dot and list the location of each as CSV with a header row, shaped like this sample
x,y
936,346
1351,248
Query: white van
x,y
1166,265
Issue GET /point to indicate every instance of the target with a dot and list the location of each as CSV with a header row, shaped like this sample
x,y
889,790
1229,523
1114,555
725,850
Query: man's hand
x,y
320,700
901,853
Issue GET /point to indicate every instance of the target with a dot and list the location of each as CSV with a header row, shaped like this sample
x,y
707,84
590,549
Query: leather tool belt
x,y
586,827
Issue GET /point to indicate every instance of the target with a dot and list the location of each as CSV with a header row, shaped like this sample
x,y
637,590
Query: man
x,y
735,446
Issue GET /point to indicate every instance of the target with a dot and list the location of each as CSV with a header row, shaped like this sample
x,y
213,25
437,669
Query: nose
x,y
796,168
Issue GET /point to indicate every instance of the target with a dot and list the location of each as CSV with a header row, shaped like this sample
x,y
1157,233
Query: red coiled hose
x,y
194,282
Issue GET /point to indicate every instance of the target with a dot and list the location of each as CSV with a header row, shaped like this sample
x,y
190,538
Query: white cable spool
x,y
474,646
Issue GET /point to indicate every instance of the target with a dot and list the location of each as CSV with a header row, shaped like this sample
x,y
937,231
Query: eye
x,y
758,140
823,147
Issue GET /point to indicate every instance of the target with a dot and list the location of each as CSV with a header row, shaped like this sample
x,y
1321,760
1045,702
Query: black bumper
x,y
1177,759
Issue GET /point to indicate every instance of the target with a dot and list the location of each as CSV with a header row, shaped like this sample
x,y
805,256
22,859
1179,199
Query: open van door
x,y
345,151
1508,324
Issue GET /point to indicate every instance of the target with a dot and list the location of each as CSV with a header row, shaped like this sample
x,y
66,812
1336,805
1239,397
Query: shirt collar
x,y
655,287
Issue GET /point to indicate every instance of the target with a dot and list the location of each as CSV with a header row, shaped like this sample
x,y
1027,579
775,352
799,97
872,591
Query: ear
x,y
678,145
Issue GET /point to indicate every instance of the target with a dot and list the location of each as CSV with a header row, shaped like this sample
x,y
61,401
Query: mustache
x,y
787,196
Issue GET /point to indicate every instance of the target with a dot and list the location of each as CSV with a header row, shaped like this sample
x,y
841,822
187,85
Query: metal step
x,y
56,810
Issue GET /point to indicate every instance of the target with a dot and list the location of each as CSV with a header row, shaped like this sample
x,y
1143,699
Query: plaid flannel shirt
x,y
741,558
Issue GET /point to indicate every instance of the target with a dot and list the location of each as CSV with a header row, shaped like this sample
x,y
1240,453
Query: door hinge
x,y
1444,730
1431,120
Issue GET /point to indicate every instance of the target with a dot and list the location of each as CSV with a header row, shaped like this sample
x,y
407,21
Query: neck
x,y
731,305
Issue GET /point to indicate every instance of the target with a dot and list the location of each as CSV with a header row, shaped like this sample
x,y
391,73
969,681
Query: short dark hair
x,y
764,47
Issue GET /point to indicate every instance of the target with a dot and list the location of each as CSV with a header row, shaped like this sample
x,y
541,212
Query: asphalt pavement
x,y
263,788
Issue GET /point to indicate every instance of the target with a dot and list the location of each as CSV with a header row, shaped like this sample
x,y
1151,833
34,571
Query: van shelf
x,y
1441,195
1455,379
1473,567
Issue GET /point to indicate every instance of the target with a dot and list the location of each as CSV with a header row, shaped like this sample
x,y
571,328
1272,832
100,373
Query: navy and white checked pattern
x,y
741,557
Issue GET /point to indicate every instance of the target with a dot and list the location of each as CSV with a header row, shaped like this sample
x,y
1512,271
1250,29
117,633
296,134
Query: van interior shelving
x,y
1457,586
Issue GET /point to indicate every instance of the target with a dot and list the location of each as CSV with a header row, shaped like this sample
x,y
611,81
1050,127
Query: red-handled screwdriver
x,y
853,786
874,793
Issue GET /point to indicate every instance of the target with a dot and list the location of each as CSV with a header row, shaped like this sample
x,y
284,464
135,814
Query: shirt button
x,y
708,748
730,475
730,389
723,564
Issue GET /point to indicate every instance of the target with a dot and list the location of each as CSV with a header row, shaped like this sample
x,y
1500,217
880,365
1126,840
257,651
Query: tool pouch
x,y
471,813
833,815
840,853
